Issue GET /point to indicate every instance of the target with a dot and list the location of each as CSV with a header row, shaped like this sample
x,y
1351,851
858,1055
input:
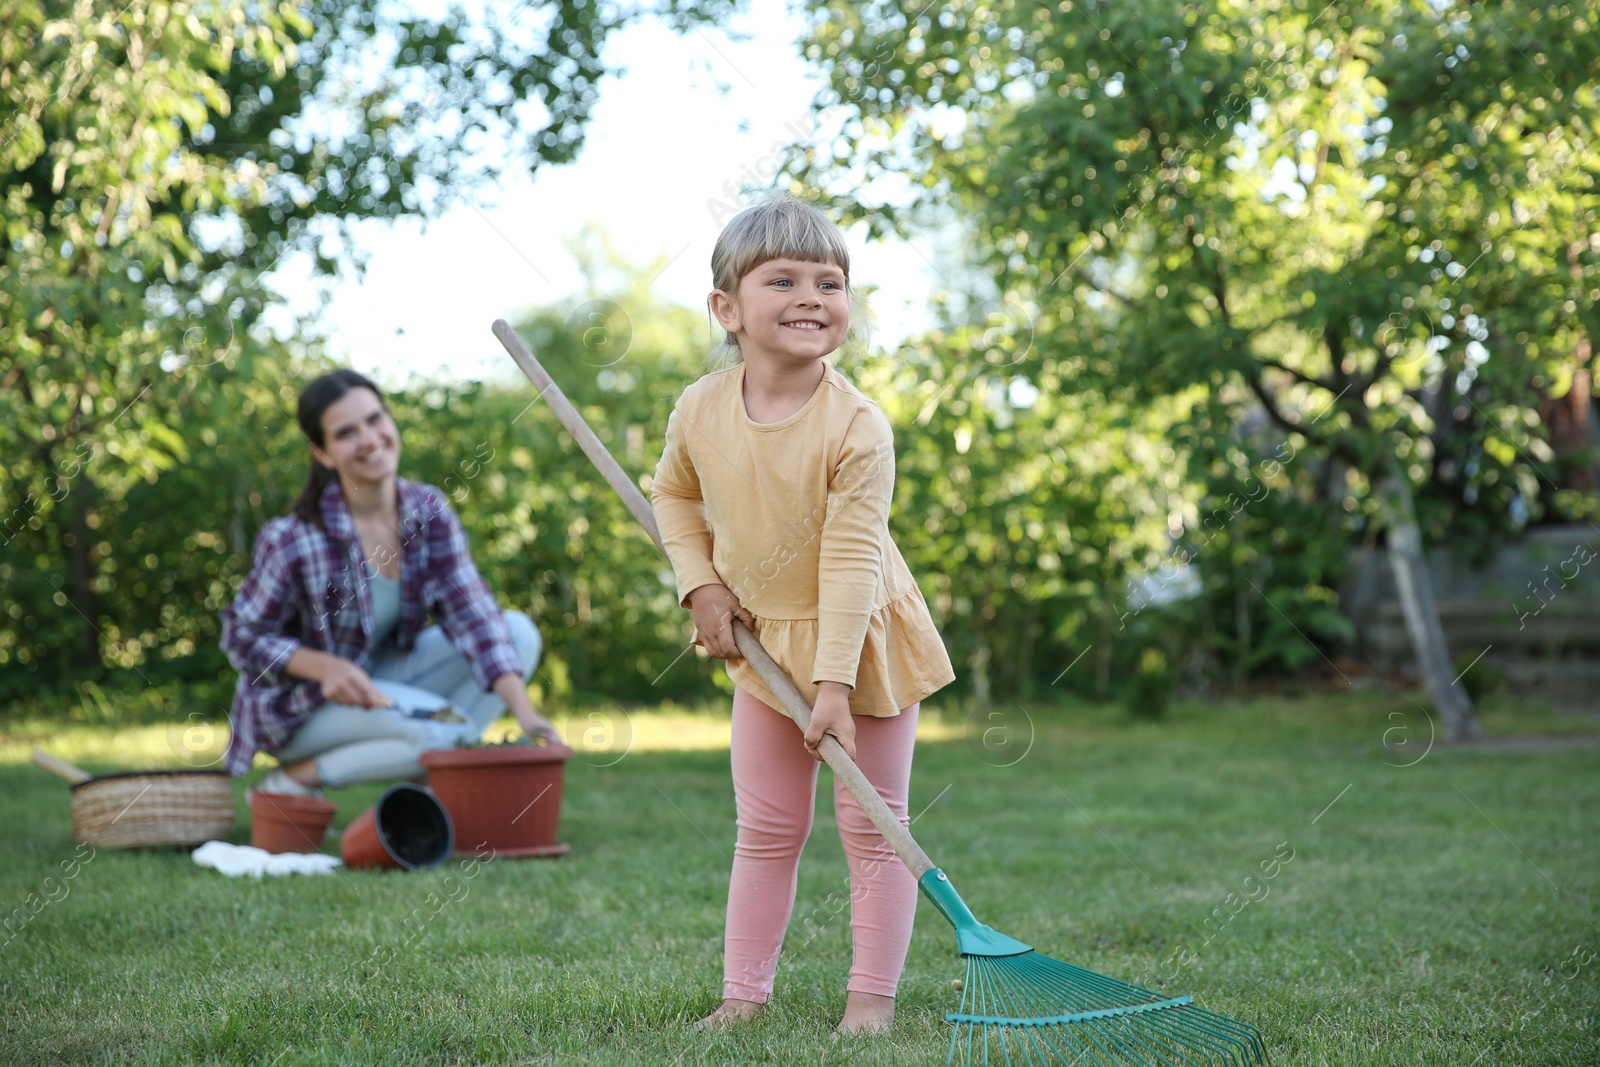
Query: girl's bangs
x,y
804,234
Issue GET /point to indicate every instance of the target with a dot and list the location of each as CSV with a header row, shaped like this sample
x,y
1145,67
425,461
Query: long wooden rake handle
x,y
789,698
60,767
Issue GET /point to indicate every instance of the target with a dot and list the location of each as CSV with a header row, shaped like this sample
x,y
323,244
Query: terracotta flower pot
x,y
507,798
407,828
283,823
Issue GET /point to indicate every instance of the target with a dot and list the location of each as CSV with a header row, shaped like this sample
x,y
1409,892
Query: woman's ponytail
x,y
308,505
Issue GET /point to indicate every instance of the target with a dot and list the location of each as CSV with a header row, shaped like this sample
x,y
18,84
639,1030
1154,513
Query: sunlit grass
x,y
1406,929
596,735
152,747
999,730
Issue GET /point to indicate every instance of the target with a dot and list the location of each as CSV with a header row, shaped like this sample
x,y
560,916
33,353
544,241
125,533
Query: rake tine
x,y
1036,1007
1020,1007
1035,1036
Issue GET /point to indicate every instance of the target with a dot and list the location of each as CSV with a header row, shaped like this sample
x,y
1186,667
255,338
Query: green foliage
x,y
1269,543
549,536
1478,677
1150,689
1365,222
169,546
157,159
1246,262
1019,507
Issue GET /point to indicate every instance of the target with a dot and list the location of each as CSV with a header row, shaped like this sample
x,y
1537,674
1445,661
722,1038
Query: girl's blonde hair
x,y
779,228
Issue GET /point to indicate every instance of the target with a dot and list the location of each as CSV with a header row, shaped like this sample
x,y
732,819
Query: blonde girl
x,y
773,499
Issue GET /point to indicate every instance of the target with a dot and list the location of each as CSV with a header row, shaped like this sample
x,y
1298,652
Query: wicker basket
x,y
151,808
142,809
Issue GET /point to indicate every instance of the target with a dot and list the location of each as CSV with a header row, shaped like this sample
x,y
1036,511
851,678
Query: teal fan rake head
x,y
1018,1007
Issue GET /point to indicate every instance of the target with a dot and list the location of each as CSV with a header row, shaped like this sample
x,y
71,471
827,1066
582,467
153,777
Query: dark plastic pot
x,y
506,798
407,828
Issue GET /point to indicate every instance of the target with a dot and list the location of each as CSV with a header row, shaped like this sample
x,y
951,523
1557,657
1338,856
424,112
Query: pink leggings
x,y
775,786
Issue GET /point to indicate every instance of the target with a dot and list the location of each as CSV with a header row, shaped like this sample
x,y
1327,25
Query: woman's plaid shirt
x,y
308,587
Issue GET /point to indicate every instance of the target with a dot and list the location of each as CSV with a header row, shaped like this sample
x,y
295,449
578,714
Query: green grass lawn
x,y
1438,913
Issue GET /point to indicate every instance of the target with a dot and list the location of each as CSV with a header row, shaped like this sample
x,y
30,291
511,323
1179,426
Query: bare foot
x,y
866,1013
732,1010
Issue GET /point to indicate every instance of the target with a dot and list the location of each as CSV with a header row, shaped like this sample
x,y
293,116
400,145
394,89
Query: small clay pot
x,y
407,828
280,822
506,798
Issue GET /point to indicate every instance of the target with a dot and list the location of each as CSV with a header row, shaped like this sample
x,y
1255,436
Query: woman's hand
x,y
536,725
715,607
341,680
513,690
831,715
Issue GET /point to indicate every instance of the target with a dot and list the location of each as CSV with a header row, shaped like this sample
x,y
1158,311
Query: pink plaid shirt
x,y
308,586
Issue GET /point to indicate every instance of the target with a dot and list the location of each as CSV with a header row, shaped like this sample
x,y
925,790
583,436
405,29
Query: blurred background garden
x,y
1240,362
1222,300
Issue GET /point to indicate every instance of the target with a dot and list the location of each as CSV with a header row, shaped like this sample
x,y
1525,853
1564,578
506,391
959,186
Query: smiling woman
x,y
338,676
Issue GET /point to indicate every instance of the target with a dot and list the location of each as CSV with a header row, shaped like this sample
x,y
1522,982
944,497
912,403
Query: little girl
x,y
773,500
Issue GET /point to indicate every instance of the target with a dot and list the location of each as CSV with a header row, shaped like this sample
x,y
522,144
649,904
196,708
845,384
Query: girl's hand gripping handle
x,y
715,608
830,717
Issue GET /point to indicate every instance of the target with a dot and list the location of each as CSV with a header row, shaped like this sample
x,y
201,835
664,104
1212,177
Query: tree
x,y
158,158
549,537
1359,219
562,537
1019,507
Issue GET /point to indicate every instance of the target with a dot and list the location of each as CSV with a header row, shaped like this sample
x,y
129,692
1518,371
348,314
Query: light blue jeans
x,y
353,744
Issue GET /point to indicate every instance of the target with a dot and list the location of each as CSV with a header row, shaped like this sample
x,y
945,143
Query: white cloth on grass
x,y
237,860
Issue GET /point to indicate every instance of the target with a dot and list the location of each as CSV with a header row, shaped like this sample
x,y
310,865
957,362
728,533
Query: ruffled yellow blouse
x,y
793,517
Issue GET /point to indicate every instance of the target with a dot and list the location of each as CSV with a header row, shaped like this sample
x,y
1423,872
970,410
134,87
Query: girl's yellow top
x,y
793,517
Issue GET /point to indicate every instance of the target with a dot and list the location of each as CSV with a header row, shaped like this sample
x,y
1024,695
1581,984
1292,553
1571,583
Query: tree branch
x,y
1297,375
1333,445
1380,367
1335,343
1333,106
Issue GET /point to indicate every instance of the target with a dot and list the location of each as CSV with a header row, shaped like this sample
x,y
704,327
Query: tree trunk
x,y
1566,419
1024,670
978,665
80,558
1102,664
1241,626
1421,610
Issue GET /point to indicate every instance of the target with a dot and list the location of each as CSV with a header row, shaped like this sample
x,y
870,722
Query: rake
x,y
1017,1006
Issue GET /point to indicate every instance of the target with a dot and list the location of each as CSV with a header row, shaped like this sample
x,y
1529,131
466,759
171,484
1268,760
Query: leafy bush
x,y
1150,689
1478,679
